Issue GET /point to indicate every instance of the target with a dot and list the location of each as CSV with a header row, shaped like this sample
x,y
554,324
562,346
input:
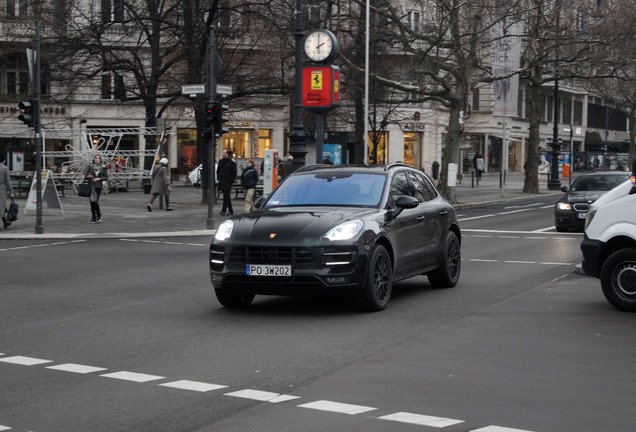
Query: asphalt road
x,y
126,335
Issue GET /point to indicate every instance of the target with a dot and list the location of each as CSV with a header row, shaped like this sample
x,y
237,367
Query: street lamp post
x,y
297,135
555,183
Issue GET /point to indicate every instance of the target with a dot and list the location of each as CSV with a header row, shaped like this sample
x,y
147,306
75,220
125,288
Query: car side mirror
x,y
564,189
259,202
403,202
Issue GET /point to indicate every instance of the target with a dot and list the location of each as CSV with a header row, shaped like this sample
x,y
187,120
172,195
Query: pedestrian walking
x,y
6,188
249,179
286,167
160,184
96,175
226,173
478,162
327,160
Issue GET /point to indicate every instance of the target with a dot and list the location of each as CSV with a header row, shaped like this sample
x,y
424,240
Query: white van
x,y
609,244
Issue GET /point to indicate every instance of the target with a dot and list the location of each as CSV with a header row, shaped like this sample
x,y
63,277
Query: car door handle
x,y
443,213
419,218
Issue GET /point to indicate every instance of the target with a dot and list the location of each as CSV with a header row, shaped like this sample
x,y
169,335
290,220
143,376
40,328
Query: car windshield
x,y
329,189
598,182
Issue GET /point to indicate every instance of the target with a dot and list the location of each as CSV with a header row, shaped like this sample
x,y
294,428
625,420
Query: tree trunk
x,y
451,150
531,180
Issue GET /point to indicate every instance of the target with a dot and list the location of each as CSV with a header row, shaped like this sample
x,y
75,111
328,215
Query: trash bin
x,y
174,175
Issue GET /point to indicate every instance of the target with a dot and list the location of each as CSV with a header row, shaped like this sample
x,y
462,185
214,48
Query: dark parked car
x,y
338,230
571,210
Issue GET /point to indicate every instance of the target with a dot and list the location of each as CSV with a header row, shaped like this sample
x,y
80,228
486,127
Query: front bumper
x,y
591,250
315,270
569,219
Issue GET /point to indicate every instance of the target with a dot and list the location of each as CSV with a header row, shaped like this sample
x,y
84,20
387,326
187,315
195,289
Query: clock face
x,y
319,45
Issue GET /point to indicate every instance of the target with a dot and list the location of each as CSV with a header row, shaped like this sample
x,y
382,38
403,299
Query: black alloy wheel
x,y
379,282
447,274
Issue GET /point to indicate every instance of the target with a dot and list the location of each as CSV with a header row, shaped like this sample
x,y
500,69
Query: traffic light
x,y
208,119
27,113
219,119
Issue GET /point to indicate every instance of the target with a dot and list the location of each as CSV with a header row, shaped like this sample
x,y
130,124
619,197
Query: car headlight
x,y
224,231
564,206
345,230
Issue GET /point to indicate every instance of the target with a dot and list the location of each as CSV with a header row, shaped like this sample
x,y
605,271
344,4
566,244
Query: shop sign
x,y
321,87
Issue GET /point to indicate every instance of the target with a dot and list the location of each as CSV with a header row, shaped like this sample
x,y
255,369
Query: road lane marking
x,y
24,361
422,420
343,408
514,211
498,429
521,262
483,260
193,385
76,368
41,245
3,428
262,396
132,376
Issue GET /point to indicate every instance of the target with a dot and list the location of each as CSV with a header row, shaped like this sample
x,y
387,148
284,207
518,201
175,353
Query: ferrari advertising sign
x,y
321,87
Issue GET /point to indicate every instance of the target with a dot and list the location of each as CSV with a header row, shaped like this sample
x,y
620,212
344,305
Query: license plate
x,y
268,270
582,215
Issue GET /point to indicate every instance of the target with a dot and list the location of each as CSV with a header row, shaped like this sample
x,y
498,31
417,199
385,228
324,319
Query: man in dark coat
x,y
286,167
226,173
327,160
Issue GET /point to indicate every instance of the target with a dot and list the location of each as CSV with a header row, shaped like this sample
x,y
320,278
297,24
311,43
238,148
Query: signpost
x,y
195,89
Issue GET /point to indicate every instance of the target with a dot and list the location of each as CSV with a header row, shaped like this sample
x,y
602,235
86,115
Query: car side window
x,y
422,192
401,186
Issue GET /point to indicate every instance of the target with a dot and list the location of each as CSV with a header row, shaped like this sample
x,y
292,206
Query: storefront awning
x,y
593,138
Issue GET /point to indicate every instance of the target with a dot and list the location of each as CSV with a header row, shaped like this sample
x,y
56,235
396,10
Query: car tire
x,y
560,228
618,279
379,280
447,274
231,299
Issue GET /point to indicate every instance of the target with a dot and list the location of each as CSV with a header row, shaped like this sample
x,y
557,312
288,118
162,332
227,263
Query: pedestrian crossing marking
x,y
193,385
343,408
132,376
422,420
76,368
25,361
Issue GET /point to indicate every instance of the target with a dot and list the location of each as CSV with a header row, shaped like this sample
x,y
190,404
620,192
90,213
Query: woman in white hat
x,y
160,184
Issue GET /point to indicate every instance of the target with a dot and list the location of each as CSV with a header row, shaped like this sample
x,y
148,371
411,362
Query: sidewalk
x,y
125,214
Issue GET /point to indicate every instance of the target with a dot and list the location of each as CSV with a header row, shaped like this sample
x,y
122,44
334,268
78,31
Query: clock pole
x,y
297,135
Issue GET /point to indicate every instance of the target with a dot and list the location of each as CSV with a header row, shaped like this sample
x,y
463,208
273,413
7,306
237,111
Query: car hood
x,y
585,196
296,225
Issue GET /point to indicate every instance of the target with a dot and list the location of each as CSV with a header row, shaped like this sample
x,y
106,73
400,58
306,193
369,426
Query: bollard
x,y
472,179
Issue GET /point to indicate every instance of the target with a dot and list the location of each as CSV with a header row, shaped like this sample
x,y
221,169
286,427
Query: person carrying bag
x,y
6,188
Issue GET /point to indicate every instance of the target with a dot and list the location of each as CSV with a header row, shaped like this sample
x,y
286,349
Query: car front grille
x,y
298,257
581,207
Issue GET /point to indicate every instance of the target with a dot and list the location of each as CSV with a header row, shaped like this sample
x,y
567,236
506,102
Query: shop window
x,y
378,148
412,149
265,143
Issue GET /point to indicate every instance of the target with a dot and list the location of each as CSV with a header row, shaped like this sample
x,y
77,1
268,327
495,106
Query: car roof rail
x,y
396,164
